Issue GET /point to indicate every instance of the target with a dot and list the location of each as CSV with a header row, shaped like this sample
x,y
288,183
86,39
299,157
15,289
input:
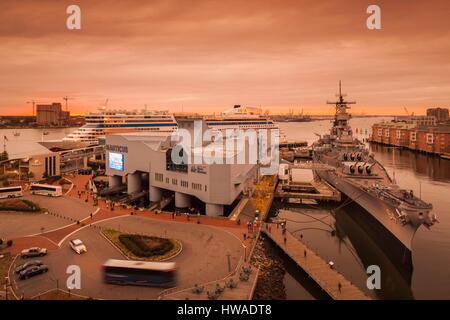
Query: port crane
x,y
66,98
33,104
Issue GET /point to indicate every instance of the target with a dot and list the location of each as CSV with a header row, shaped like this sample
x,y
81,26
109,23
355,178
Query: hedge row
x,y
136,244
27,206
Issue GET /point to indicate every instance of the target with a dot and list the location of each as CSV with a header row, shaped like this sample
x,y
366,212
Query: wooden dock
x,y
330,280
314,190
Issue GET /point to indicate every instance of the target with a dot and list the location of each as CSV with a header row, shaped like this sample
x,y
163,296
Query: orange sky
x,y
206,56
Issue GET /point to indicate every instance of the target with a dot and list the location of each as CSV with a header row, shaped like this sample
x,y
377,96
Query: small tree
x,y
9,243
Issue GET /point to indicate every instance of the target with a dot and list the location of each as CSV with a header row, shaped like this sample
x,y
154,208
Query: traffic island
x,y
143,247
19,205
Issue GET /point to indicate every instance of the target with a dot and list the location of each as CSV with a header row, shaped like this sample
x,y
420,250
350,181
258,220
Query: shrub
x,y
139,246
9,243
19,205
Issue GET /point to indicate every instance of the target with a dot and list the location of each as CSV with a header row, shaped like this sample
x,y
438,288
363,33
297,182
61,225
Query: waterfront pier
x,y
330,280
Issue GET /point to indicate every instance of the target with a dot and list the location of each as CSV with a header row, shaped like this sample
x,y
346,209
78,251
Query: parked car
x,y
78,246
33,252
27,265
33,271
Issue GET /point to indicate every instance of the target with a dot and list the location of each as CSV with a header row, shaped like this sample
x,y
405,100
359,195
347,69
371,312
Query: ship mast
x,y
341,104
341,116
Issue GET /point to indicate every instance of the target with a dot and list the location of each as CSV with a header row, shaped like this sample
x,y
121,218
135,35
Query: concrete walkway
x,y
330,280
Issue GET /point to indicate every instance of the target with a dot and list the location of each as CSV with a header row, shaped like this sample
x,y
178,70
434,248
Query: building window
x,y
413,135
399,134
196,186
380,132
386,133
206,187
174,181
430,138
159,177
167,180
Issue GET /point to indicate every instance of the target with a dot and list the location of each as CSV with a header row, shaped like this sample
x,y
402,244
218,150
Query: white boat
x,y
243,118
104,122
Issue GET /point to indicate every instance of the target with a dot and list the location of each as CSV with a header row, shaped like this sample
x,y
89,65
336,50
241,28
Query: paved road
x,y
204,258
16,224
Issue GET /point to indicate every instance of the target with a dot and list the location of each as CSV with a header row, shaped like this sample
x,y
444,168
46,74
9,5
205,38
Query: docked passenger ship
x,y
243,118
119,121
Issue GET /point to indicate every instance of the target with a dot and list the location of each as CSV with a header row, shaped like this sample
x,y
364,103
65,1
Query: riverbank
x,y
270,284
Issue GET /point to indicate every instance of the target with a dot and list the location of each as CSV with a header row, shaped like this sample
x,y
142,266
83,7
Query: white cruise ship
x,y
104,122
244,118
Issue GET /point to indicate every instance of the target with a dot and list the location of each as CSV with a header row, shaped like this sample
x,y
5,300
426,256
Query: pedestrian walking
x,y
285,240
245,236
340,287
304,253
91,215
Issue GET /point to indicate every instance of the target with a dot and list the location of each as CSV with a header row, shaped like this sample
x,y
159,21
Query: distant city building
x,y
417,120
51,115
441,114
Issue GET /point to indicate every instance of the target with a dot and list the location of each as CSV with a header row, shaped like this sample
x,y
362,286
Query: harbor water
x,y
337,237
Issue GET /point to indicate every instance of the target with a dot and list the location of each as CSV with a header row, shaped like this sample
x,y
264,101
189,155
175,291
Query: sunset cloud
x,y
207,55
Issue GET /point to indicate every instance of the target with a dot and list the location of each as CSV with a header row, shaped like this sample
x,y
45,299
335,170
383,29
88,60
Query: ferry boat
x,y
104,122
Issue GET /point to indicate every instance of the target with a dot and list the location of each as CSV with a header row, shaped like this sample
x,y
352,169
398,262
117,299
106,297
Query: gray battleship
x,y
397,213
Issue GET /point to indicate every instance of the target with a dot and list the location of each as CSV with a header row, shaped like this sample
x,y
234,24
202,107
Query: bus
x,y
46,190
11,192
140,273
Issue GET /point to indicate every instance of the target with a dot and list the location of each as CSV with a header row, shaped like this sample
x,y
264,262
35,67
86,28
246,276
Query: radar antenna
x,y
341,103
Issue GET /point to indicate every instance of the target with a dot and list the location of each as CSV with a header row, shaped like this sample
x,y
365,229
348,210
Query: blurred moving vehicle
x,y
33,271
33,252
78,246
140,273
27,265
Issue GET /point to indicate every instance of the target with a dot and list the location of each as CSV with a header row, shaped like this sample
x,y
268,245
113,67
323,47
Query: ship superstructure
x,y
104,122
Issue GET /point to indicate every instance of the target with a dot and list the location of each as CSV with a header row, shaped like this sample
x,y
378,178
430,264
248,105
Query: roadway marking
x,y
66,226
12,280
88,225
71,187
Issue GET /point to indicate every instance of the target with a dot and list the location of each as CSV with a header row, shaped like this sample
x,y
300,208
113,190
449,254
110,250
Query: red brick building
x,y
430,139
392,133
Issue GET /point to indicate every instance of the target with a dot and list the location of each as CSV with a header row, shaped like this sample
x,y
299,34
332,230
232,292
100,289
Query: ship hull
x,y
387,229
